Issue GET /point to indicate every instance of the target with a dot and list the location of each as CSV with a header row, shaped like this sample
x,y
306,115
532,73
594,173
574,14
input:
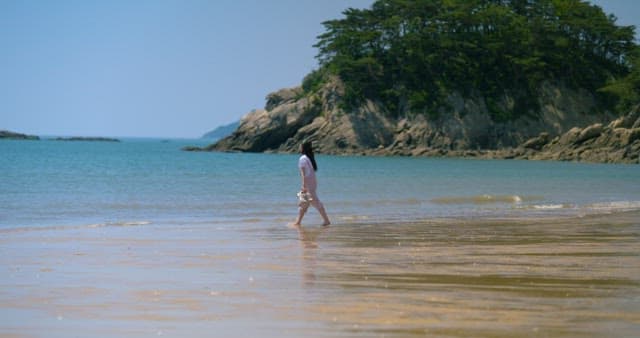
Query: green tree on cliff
x,y
627,89
410,54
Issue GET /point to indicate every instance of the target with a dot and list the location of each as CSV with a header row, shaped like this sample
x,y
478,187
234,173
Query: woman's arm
x,y
304,186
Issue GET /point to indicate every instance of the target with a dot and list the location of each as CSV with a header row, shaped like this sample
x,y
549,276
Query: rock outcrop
x,y
616,142
565,120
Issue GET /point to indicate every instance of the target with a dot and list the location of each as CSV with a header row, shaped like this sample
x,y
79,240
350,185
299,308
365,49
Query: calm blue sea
x,y
151,181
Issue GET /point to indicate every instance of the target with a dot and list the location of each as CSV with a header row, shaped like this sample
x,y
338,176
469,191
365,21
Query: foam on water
x,y
615,206
119,224
485,199
551,206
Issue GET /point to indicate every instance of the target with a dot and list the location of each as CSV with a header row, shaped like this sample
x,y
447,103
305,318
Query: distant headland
x,y
541,81
222,131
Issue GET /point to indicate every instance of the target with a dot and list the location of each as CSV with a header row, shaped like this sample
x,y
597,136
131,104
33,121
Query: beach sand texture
x,y
551,277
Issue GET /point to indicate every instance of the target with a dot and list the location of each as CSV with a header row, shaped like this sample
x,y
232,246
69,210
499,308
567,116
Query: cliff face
x,y
289,118
616,142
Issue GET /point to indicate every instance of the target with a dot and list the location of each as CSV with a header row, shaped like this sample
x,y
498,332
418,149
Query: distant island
x,y
222,131
9,135
91,139
532,80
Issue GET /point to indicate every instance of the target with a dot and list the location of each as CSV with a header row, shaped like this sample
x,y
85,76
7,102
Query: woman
x,y
308,167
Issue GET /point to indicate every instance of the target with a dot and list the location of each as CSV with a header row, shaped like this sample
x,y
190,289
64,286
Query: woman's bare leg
x,y
320,207
301,211
323,213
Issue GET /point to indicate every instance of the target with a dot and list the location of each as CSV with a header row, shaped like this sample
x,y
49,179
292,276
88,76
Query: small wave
x,y
586,209
551,206
119,224
484,199
73,227
615,206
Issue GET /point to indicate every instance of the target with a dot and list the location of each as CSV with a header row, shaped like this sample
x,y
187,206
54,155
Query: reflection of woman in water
x,y
308,239
308,167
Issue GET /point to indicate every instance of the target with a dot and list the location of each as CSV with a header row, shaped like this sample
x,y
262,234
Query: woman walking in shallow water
x,y
307,165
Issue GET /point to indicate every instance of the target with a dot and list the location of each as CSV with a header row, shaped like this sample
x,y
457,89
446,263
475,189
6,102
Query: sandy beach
x,y
444,277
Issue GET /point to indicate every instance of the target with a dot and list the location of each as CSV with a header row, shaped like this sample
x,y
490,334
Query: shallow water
x,y
454,277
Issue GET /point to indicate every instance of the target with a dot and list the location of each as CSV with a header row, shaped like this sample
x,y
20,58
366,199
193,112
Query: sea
x,y
137,181
138,238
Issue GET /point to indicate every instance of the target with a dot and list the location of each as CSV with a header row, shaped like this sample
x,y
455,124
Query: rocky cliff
x,y
616,142
567,118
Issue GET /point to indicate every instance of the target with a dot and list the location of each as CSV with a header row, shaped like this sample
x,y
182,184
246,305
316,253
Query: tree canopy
x,y
410,54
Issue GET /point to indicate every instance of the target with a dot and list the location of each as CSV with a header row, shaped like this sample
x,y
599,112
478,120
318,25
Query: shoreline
x,y
626,214
508,153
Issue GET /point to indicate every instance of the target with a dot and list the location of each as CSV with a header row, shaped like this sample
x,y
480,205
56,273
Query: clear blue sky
x,y
164,68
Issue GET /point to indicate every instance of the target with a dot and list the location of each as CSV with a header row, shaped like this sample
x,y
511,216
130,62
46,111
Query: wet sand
x,y
563,277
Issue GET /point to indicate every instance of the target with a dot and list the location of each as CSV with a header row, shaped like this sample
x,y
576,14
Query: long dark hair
x,y
307,149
